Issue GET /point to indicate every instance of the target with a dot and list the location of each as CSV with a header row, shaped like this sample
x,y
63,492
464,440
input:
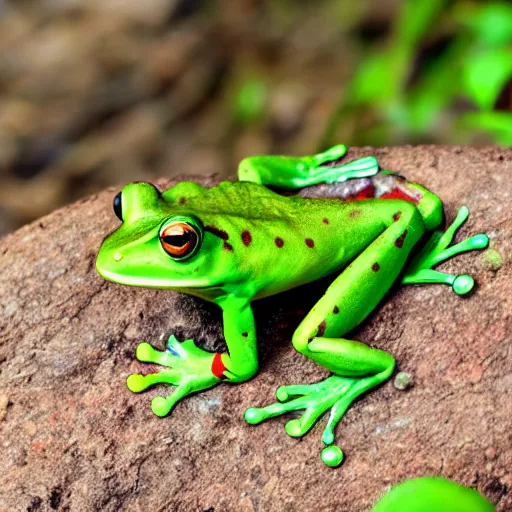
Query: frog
x,y
245,240
432,493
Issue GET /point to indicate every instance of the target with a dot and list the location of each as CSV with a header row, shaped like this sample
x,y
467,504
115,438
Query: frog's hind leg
x,y
288,172
356,367
438,250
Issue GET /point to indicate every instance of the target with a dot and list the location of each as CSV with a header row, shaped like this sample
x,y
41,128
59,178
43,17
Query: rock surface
x,y
74,438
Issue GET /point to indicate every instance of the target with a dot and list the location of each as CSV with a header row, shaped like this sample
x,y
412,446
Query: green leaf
x,y
485,76
250,101
491,24
374,81
497,124
415,19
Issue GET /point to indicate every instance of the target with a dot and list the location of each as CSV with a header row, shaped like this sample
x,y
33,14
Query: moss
x,y
492,259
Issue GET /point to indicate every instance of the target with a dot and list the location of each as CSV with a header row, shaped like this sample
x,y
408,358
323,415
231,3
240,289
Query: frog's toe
x,y
332,456
328,435
298,427
163,405
463,284
361,168
148,354
135,383
294,428
284,393
160,406
145,352
480,241
254,415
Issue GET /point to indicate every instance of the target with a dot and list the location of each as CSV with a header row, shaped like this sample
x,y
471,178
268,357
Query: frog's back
x,y
256,202
282,241
238,204
243,199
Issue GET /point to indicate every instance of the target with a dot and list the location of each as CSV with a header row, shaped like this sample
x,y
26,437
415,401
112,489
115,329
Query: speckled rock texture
x,y
74,438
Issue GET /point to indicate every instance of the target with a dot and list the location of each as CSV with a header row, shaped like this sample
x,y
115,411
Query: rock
x,y
30,428
74,438
4,402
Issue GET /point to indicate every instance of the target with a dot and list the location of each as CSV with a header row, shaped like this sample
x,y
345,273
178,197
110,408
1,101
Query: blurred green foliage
x,y
100,93
250,101
458,88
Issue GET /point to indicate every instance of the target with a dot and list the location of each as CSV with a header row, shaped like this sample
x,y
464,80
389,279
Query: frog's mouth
x,y
146,281
109,267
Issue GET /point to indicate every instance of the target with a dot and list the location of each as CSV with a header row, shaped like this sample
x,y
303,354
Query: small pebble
x,y
492,259
403,381
30,428
490,453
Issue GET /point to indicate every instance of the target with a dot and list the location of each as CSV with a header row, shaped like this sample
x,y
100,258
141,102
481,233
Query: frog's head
x,y
158,244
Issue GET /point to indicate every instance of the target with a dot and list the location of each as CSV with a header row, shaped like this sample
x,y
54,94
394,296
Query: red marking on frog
x,y
367,193
218,367
396,193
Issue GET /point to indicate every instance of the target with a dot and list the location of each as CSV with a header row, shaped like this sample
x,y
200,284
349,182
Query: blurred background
x,y
101,92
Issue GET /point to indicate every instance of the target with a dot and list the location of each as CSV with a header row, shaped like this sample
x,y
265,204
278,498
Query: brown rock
x,y
30,428
69,340
4,402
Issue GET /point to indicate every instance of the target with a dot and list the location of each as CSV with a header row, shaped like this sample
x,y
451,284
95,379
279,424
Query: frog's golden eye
x,y
179,239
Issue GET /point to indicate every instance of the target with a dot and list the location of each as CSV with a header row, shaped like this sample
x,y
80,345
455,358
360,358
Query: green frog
x,y
432,494
241,241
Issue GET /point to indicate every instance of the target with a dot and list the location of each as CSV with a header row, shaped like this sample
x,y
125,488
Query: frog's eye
x,y
118,207
179,239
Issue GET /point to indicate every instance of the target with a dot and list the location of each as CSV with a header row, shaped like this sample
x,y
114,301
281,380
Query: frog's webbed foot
x,y
298,172
328,167
334,393
330,170
438,250
184,365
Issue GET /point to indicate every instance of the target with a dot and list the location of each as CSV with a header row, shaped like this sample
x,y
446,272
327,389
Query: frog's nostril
x,y
117,256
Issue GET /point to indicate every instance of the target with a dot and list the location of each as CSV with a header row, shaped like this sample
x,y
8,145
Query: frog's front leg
x,y
356,367
192,369
183,365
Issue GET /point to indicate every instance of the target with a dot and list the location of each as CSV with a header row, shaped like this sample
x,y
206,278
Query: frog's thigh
x,y
352,296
